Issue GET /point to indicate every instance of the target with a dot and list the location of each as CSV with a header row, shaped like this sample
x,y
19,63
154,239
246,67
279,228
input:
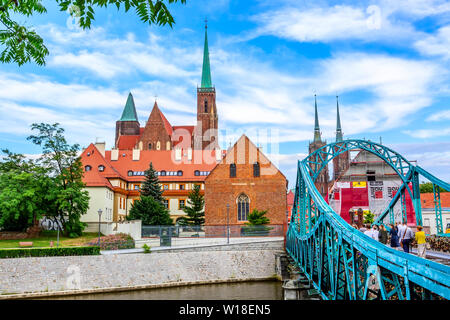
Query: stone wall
x,y
46,275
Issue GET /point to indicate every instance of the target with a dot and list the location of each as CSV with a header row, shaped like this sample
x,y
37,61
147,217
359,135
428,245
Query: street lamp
x,y
228,223
99,219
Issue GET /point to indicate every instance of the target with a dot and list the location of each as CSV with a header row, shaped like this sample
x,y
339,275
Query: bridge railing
x,y
342,262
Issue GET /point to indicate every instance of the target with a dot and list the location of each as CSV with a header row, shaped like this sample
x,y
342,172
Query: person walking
x,y
421,242
375,232
406,237
363,228
394,236
382,234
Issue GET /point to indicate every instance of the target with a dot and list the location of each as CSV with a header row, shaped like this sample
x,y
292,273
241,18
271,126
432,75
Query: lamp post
x,y
99,219
228,223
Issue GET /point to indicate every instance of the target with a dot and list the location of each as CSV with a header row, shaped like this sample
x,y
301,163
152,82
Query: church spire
x,y
316,123
129,112
339,137
206,70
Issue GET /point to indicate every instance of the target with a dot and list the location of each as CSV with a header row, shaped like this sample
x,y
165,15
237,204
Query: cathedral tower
x,y
206,134
128,125
341,162
322,180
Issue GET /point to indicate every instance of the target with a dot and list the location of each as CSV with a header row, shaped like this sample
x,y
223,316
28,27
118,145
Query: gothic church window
x,y
206,106
256,169
243,207
149,146
232,170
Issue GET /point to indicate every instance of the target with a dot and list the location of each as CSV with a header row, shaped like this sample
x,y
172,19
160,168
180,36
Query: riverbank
x,y
55,276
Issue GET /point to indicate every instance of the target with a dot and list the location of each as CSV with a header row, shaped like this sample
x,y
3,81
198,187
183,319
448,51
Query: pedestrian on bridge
x,y
406,235
394,236
382,235
421,242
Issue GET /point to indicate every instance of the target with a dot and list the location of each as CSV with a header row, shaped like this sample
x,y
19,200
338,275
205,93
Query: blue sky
x,y
387,60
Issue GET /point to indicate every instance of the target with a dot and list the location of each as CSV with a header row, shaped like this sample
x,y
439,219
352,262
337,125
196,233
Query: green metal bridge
x,y
342,262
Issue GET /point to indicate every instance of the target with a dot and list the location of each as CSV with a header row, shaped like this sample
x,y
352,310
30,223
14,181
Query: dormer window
x,y
101,168
130,173
87,168
196,173
163,172
179,173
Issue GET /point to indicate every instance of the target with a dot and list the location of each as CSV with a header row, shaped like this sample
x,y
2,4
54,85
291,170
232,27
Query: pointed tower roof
x,y
157,116
339,136
206,70
316,122
129,112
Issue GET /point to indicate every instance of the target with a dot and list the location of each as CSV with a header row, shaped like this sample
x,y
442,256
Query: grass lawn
x,y
47,236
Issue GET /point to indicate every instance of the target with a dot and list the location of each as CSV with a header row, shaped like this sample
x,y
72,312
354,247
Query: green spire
x,y
129,112
206,70
316,124
339,137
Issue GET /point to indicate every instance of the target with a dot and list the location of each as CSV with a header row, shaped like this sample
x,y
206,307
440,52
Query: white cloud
x,y
437,44
428,133
440,116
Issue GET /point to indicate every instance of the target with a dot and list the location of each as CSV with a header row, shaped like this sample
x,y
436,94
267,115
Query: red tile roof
x,y
203,161
94,178
427,200
127,142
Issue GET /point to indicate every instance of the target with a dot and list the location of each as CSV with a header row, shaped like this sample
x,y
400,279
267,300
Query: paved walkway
x,y
201,245
440,257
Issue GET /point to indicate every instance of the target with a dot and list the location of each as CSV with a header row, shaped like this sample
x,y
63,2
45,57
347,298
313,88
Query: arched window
x,y
158,145
206,106
101,168
256,169
196,173
130,172
87,168
232,170
168,145
149,146
163,172
243,207
179,173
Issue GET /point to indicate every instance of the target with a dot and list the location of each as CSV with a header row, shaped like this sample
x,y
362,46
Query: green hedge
x,y
49,252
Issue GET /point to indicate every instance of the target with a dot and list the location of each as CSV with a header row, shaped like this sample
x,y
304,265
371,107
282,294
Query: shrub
x,y
49,252
114,242
146,248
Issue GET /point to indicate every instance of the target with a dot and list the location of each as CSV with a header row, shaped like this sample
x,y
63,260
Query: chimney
x,y
136,154
114,154
101,147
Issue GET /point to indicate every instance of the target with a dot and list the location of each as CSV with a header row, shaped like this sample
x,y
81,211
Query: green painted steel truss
x,y
343,263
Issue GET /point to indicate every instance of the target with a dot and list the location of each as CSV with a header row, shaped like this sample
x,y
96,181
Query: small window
x,y
256,169
181,204
130,172
196,173
166,203
101,168
179,173
149,146
87,168
206,106
232,170
181,186
136,187
163,172
165,187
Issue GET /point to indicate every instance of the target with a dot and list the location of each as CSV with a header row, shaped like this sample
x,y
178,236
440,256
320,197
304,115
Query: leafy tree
x,y
257,218
256,224
25,192
64,165
151,186
194,210
150,211
22,44
369,217
427,187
